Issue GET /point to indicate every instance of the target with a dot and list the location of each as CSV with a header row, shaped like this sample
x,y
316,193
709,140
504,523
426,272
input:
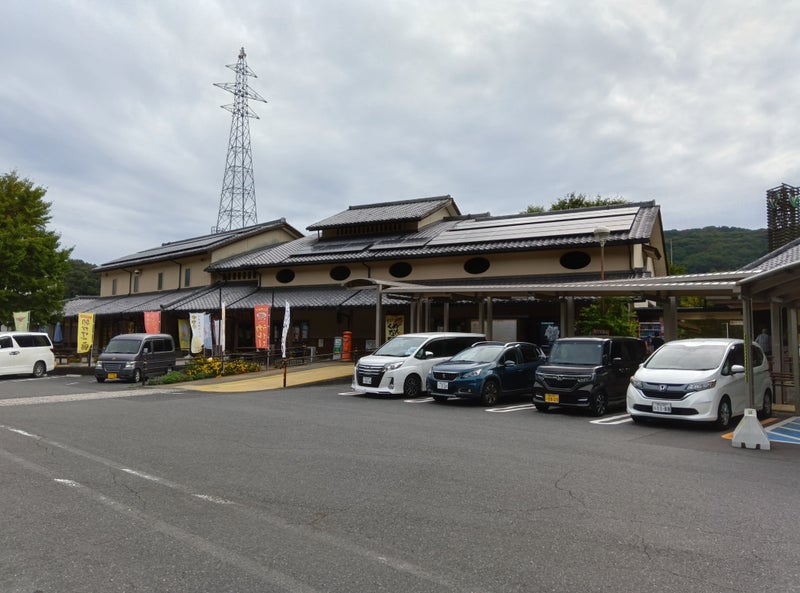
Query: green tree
x,y
81,280
611,314
573,200
32,263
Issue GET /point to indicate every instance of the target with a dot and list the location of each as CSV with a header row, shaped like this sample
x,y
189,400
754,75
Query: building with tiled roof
x,y
329,277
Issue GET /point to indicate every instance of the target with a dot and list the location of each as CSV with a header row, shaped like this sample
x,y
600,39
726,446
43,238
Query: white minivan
x,y
401,365
699,379
26,353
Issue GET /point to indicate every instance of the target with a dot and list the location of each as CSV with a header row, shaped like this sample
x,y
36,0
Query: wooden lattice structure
x,y
783,215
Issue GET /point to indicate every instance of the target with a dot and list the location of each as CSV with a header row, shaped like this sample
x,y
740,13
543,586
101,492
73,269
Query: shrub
x,y
205,368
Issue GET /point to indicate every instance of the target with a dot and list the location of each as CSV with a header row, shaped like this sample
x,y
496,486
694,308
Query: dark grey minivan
x,y
133,357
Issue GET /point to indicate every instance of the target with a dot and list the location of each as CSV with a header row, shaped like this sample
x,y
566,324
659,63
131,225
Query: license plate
x,y
551,398
662,407
366,380
112,375
442,385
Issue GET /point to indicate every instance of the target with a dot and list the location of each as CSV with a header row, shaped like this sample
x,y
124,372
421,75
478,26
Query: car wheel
x,y
724,413
598,403
541,407
100,379
39,369
490,393
766,405
412,387
439,399
137,375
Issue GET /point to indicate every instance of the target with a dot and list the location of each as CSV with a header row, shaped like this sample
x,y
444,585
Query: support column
x,y
412,317
567,317
427,312
791,319
489,319
481,320
378,316
747,320
671,319
446,313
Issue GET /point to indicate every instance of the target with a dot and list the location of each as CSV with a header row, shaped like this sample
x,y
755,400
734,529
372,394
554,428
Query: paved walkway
x,y
323,372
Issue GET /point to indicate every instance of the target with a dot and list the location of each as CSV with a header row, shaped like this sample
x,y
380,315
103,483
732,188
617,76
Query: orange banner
x,y
262,327
152,322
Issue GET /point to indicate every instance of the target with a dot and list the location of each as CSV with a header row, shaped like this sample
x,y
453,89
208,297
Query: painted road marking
x,y
77,397
787,431
621,419
421,400
513,408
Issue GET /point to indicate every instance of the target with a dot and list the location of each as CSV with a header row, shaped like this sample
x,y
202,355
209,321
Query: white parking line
x,y
621,419
422,400
514,408
76,397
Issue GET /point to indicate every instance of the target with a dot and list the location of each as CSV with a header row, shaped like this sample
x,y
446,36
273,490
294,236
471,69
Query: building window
x,y
340,273
114,286
400,269
285,276
476,265
136,284
575,260
187,277
160,280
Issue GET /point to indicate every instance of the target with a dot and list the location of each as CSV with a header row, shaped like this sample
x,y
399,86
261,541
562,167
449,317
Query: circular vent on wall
x,y
575,260
401,269
285,276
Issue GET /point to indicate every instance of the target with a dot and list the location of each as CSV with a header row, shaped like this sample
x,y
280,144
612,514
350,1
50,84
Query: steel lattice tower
x,y
237,202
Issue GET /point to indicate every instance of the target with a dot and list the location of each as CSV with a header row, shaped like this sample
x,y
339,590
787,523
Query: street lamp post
x,y
601,233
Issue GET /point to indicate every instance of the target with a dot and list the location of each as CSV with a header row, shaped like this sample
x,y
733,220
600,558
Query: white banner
x,y
285,332
196,321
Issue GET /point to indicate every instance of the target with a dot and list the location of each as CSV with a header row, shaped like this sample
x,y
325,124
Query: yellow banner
x,y
22,321
395,324
85,332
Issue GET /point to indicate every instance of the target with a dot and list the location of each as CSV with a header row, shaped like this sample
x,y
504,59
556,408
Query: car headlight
x,y
636,383
701,385
130,365
99,366
472,373
392,366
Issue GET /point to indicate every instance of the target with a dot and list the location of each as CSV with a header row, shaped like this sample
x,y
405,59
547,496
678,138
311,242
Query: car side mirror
x,y
509,363
737,368
617,361
428,354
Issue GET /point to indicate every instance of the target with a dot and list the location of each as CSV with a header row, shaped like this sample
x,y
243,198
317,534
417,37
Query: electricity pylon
x,y
237,202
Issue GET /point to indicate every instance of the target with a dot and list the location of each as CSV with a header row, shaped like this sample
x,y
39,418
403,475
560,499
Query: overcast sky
x,y
499,103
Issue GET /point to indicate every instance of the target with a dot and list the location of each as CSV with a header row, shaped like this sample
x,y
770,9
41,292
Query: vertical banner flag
x,y
262,327
85,332
184,334
152,322
222,329
207,337
196,321
285,332
22,321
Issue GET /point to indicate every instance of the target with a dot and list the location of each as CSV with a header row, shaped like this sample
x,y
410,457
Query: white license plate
x,y
662,407
443,385
366,380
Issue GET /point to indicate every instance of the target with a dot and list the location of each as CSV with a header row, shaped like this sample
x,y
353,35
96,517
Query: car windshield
x,y
400,346
123,346
478,354
578,353
687,357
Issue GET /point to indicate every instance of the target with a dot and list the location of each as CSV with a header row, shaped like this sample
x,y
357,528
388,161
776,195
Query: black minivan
x,y
133,357
591,373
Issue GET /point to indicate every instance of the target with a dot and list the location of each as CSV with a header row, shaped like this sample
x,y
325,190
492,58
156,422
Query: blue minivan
x,y
486,371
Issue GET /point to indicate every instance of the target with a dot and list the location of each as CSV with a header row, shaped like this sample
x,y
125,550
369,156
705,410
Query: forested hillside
x,y
714,249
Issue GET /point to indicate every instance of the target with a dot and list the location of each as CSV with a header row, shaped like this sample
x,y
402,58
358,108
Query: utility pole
x,y
237,202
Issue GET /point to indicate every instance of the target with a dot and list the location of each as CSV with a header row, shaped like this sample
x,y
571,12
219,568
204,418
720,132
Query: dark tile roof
x,y
464,235
787,254
195,245
235,297
401,211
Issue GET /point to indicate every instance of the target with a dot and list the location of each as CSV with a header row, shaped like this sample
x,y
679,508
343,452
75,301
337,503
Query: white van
x,y
401,365
26,353
134,357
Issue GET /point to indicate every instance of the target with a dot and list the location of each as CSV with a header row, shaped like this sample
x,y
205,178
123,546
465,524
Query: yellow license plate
x,y
112,375
551,398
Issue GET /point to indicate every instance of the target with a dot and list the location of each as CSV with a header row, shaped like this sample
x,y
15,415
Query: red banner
x,y
152,322
262,327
